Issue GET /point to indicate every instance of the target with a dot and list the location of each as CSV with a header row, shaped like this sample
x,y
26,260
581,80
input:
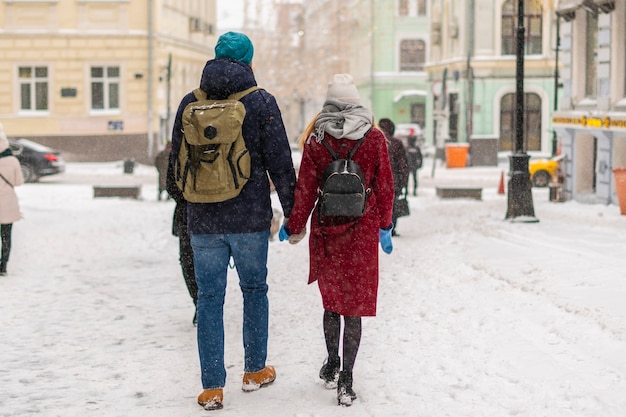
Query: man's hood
x,y
224,76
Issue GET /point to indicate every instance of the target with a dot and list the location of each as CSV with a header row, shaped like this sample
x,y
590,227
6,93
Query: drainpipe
x,y
470,72
150,81
556,81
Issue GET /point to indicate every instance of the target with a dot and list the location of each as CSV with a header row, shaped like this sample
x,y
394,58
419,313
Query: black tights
x,y
351,337
5,232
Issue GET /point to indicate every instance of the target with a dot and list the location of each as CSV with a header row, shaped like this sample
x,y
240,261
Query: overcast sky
x,y
229,14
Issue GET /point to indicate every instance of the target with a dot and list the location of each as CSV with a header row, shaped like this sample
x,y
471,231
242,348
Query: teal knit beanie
x,y
234,45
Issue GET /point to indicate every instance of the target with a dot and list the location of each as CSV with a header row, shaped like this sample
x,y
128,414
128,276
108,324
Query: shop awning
x,y
410,93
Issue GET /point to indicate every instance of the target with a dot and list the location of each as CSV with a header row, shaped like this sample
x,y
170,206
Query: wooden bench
x,y
133,191
460,192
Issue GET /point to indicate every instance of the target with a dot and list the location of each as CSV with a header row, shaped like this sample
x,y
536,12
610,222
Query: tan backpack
x,y
213,162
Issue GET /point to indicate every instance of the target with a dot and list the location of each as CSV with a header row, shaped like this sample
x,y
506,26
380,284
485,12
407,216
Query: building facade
x,y
382,43
591,118
100,80
472,68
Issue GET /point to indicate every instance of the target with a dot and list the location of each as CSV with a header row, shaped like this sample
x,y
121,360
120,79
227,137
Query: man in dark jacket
x,y
239,227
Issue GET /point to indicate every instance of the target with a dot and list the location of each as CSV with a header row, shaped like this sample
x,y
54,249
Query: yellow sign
x,y
618,123
593,122
566,120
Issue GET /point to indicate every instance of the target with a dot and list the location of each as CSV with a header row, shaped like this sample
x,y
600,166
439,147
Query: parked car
x,y
36,159
543,170
406,130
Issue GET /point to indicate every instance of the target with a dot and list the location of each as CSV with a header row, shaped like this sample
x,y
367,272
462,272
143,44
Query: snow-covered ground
x,y
478,316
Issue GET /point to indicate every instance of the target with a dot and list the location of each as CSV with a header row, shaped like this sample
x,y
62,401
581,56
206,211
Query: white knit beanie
x,y
342,88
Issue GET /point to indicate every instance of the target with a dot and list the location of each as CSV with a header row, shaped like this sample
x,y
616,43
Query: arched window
x,y
412,55
532,122
533,28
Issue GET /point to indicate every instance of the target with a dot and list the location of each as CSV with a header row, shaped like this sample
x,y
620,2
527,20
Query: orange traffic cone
x,y
501,186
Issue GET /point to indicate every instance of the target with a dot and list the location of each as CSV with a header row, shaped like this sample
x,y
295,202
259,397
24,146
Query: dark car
x,y
36,159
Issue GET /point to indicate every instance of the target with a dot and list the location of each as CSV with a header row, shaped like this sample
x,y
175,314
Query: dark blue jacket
x,y
267,142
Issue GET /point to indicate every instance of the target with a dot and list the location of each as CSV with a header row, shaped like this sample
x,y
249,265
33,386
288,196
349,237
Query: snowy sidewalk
x,y
477,316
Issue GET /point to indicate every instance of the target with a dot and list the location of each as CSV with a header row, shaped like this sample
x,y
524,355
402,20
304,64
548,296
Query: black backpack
x,y
343,191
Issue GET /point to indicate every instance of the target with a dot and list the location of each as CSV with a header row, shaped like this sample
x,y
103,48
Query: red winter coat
x,y
344,258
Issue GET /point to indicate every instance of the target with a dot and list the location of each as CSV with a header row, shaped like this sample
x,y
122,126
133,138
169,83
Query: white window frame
x,y
412,8
107,82
32,82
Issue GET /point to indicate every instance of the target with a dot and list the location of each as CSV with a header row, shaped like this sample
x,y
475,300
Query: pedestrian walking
x,y
238,227
415,158
343,251
161,163
179,229
10,177
399,167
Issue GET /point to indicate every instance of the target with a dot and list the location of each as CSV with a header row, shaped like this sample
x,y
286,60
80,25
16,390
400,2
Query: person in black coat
x,y
399,164
179,229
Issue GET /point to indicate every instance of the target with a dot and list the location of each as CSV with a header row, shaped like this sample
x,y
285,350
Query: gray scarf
x,y
342,120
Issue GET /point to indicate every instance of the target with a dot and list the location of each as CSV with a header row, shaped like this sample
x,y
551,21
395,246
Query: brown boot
x,y
252,381
211,399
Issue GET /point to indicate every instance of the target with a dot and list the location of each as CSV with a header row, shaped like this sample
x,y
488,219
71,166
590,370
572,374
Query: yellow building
x,y
100,79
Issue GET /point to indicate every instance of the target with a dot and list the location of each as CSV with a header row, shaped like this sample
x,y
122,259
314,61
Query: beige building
x,y
100,79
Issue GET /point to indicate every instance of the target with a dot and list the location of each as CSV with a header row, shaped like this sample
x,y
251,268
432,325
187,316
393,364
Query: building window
x,y
532,122
403,7
591,52
412,55
33,83
412,8
105,88
421,7
533,23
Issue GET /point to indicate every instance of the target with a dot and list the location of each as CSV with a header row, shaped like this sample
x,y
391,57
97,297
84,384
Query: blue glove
x,y
283,234
385,240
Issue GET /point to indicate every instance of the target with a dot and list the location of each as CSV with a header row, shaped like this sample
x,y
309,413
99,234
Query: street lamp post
x,y
520,198
556,81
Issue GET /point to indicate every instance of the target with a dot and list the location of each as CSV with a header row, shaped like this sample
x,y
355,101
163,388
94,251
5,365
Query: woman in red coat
x,y
343,251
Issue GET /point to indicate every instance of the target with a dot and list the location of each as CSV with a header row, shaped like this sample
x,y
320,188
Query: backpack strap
x,y
330,149
351,153
5,180
238,96
201,94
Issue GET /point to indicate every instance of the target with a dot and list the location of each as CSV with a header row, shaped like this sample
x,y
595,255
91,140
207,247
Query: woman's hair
x,y
310,128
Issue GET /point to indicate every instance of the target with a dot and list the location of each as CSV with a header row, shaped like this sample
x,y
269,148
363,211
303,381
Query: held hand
x,y
293,239
385,240
283,234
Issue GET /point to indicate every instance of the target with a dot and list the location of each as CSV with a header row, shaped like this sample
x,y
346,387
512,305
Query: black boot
x,y
330,372
345,394
3,268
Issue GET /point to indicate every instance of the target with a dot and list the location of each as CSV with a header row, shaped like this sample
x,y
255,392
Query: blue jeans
x,y
211,256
